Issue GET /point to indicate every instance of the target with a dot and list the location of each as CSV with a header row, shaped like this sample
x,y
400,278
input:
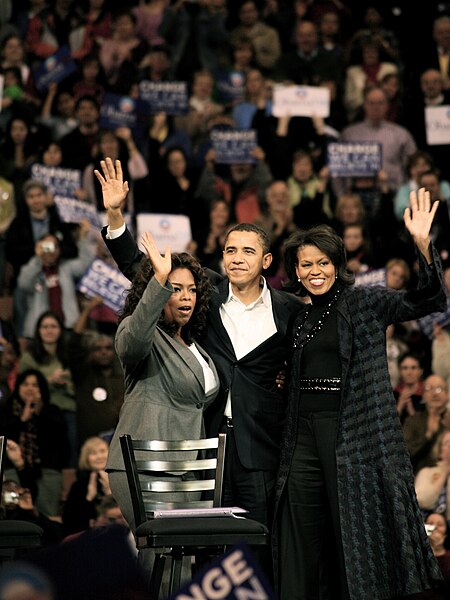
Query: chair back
x,y
179,482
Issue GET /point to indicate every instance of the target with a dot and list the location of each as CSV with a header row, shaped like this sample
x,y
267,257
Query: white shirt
x,y
248,325
208,373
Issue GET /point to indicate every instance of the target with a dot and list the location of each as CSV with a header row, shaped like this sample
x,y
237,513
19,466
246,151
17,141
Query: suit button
x,y
198,405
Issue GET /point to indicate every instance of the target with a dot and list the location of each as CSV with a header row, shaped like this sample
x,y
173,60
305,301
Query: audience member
x,y
89,488
91,80
256,97
264,38
77,145
95,27
438,541
97,375
422,429
58,112
39,428
396,142
357,245
208,241
395,347
409,390
432,483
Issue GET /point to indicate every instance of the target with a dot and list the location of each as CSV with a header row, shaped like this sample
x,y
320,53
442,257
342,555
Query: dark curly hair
x,y
328,241
195,328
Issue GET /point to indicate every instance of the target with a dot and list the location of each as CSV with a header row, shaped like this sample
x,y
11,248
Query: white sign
x,y
167,230
300,101
437,122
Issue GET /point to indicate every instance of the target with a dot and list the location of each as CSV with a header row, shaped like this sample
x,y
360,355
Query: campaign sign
x,y
235,574
234,145
437,123
167,230
370,278
354,159
75,211
119,111
54,69
230,86
170,97
300,101
107,282
60,181
442,318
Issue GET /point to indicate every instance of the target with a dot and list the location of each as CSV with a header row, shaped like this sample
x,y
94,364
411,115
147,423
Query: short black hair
x,y
252,228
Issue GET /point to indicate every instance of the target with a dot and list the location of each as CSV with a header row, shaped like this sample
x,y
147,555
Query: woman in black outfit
x,y
347,523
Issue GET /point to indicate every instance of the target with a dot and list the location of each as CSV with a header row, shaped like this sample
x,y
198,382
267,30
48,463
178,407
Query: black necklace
x,y
317,326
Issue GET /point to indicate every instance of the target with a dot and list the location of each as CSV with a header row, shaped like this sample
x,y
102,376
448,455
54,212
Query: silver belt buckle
x,y
229,422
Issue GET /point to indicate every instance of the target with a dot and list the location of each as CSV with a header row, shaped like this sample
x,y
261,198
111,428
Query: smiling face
x,y
244,258
49,330
315,269
29,391
181,303
97,456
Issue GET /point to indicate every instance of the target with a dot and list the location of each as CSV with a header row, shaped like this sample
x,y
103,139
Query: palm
x,y
162,263
114,189
419,218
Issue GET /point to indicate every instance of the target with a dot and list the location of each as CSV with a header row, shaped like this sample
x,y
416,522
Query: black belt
x,y
320,384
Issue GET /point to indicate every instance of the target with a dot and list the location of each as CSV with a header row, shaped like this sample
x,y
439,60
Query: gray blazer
x,y
164,382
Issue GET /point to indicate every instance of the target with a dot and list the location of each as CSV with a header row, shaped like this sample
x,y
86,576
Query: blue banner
x,y
235,574
75,211
107,282
122,111
234,146
170,97
59,181
354,159
54,69
442,319
375,277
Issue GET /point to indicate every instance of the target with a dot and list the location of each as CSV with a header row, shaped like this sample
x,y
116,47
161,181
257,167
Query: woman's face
x,y
420,166
91,70
109,146
352,238
349,211
29,390
66,105
124,27
302,169
97,456
410,370
52,157
254,82
219,214
396,277
181,303
315,269
176,163
49,330
438,521
19,131
13,51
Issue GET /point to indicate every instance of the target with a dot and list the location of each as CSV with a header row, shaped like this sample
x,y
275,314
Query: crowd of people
x,y
74,375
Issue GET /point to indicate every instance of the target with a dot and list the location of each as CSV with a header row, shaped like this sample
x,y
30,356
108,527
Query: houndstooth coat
x,y
386,550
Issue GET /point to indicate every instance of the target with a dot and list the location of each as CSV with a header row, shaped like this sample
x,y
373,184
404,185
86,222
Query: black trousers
x,y
311,557
253,490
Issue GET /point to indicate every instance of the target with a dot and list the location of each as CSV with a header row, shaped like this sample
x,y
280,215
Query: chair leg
x,y
156,576
175,573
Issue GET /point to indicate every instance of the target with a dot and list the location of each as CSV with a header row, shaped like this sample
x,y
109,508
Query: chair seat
x,y
19,534
207,531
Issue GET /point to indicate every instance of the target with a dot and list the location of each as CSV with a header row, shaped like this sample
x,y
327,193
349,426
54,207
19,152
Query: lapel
x,y
218,298
186,356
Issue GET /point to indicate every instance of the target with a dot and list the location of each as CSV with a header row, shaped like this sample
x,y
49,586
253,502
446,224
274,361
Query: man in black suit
x,y
248,339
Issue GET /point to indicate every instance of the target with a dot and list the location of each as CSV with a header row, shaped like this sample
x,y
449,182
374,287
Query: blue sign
x,y
233,575
75,211
370,278
107,282
442,319
354,159
230,86
63,182
54,69
170,97
234,146
121,111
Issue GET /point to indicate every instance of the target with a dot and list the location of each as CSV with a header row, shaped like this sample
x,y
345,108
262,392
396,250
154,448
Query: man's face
x,y
103,352
431,84
306,37
87,113
37,200
375,105
435,393
244,258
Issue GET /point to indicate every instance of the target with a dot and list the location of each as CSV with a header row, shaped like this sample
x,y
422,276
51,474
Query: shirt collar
x,y
263,298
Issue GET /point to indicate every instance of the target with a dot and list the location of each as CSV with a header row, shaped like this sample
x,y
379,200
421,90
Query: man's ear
x,y
267,260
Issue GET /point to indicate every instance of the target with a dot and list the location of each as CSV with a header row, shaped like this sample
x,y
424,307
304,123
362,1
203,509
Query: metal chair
x,y
187,535
16,536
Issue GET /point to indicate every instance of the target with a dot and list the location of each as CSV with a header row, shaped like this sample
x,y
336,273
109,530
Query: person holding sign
x,y
347,519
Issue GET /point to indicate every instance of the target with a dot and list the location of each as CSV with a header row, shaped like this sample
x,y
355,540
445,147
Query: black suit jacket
x,y
258,406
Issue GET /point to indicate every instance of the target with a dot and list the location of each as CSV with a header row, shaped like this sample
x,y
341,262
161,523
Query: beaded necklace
x,y
317,326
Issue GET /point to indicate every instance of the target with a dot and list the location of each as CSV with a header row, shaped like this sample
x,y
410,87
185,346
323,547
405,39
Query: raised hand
x,y
162,263
419,218
114,188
